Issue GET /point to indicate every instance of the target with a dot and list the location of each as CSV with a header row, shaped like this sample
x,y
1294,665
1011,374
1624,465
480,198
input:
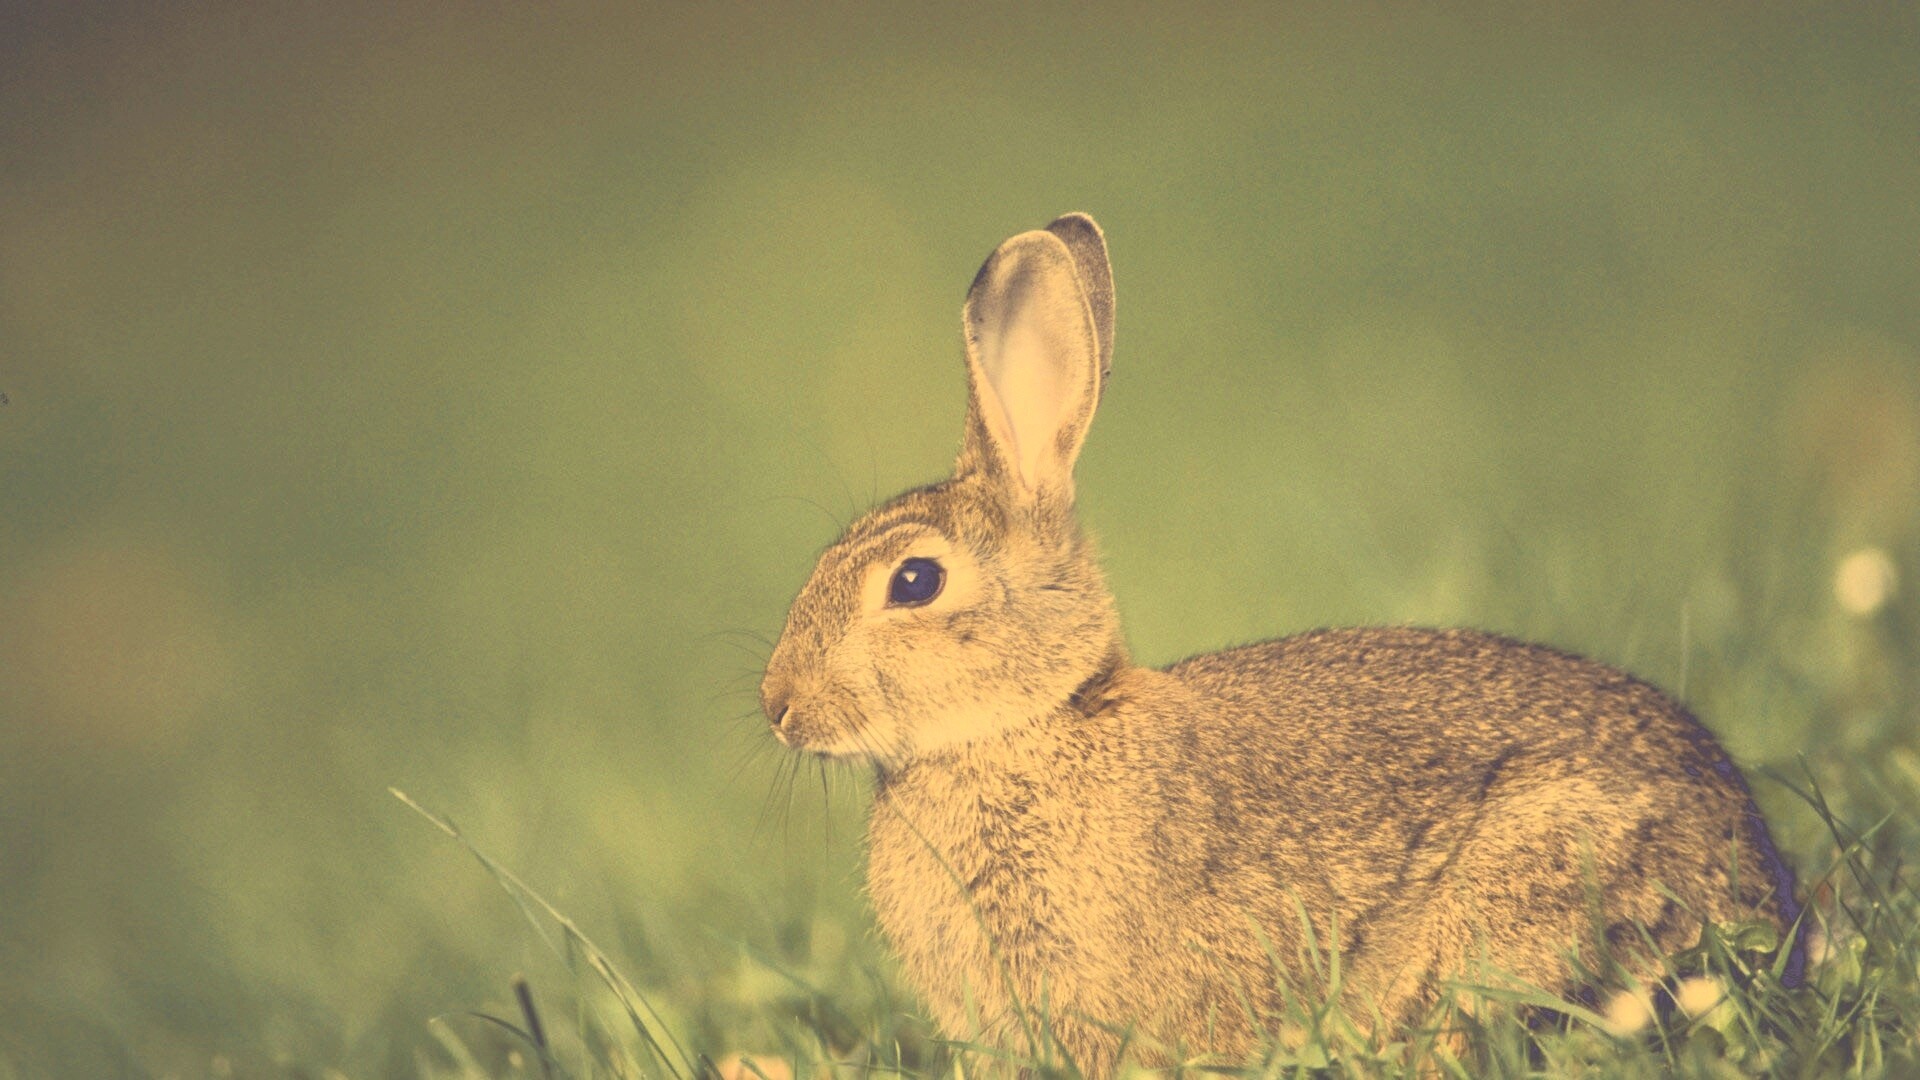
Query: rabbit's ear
x,y
1033,362
1089,247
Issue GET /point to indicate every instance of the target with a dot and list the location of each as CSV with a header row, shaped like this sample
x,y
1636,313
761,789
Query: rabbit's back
x,y
1445,714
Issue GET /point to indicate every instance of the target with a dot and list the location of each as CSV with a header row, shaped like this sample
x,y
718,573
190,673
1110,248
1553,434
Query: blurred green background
x,y
445,396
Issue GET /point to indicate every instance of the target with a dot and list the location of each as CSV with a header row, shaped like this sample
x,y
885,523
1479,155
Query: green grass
x,y
1856,1013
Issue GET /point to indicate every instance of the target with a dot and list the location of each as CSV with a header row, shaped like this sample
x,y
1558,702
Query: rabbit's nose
x,y
776,697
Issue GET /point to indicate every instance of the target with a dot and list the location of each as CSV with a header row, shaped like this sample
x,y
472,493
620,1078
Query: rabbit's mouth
x,y
827,732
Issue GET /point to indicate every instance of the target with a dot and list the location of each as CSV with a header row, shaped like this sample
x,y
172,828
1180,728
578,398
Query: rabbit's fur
x,y
1057,831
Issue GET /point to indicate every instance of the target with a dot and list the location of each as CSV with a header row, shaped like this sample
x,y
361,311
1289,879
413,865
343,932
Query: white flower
x,y
1698,994
1627,1012
1818,947
1865,581
753,1067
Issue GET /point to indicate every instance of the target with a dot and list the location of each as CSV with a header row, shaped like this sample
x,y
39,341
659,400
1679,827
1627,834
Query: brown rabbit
x,y
1058,832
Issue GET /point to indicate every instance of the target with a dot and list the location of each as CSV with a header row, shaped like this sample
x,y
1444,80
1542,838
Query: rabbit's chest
x,y
956,863
973,884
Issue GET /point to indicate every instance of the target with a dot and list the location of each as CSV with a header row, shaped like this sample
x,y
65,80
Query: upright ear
x,y
1089,247
1033,367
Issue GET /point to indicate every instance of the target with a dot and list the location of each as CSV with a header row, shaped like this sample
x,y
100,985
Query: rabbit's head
x,y
963,608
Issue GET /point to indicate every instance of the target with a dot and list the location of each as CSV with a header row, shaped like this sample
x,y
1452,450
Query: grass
x,y
1856,1014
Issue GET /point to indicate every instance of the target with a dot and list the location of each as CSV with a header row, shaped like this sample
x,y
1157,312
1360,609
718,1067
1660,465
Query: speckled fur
x,y
1054,825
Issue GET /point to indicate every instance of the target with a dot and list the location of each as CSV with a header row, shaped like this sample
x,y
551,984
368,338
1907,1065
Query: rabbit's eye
x,y
916,582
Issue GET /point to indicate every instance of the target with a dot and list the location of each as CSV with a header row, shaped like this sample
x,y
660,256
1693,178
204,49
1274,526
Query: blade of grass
x,y
523,896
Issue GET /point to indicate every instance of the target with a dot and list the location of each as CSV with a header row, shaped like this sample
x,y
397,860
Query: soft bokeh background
x,y
446,396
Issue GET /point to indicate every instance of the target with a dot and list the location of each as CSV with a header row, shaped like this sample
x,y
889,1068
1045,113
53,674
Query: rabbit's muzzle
x,y
801,718
776,700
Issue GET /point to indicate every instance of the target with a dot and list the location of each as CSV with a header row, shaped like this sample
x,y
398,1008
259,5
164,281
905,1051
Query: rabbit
x,y
1149,855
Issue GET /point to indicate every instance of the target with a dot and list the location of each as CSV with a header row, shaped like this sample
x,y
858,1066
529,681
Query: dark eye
x,y
916,582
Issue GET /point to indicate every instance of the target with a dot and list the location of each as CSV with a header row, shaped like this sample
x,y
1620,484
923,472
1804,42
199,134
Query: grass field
x,y
451,400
